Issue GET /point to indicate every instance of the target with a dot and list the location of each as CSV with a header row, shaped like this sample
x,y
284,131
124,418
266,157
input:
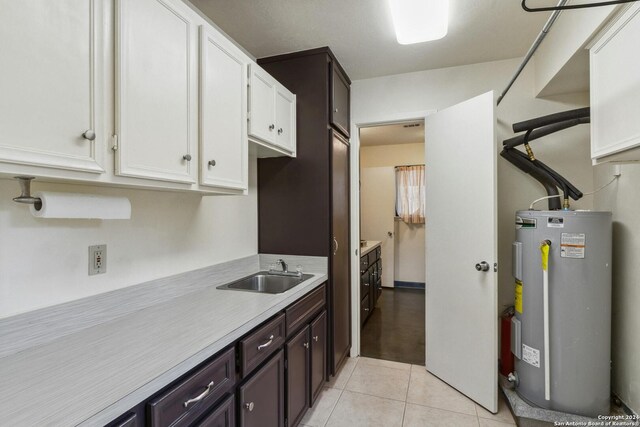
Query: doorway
x,y
392,241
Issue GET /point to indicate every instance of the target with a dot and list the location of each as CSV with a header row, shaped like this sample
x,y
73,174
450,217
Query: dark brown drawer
x,y
261,343
364,309
364,264
223,416
183,403
365,284
372,257
304,309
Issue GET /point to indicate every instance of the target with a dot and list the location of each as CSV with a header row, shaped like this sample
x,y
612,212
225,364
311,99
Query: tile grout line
x,y
341,393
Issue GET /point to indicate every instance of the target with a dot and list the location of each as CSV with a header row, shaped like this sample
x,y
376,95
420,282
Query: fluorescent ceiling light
x,y
419,21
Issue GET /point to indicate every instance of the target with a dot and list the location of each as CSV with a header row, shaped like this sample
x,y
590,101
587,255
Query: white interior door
x,y
462,313
377,210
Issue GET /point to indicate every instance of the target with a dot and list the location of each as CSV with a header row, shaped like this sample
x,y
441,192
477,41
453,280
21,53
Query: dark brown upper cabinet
x,y
340,100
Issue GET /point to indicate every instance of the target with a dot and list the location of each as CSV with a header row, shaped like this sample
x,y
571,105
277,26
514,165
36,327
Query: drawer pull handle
x,y
201,396
366,309
267,344
315,338
306,345
249,406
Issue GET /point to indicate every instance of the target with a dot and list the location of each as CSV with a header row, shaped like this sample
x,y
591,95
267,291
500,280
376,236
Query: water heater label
x,y
518,301
525,222
555,222
531,355
573,245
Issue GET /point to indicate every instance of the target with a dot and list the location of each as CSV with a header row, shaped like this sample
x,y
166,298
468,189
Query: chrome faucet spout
x,y
285,268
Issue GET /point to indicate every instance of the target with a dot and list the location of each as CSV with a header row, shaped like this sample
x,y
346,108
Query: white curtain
x,y
410,194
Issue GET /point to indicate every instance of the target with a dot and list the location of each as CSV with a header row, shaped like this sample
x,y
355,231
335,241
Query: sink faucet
x,y
285,268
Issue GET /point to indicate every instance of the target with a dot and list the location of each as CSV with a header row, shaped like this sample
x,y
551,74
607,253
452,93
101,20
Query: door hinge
x,y
115,143
495,267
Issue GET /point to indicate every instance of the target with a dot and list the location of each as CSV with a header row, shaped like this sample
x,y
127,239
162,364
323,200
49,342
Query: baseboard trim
x,y
408,285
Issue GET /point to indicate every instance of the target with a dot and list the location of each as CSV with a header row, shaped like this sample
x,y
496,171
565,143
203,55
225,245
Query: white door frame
x,y
355,211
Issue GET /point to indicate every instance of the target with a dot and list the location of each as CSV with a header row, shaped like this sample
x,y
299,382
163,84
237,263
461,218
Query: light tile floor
x,y
370,392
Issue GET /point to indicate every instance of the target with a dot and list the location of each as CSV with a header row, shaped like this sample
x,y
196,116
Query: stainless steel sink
x,y
266,283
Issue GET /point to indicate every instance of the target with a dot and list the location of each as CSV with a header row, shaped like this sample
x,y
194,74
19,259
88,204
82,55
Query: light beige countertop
x,y
371,245
92,375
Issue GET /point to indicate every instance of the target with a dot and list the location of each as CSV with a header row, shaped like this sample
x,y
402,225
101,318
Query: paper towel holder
x,y
25,192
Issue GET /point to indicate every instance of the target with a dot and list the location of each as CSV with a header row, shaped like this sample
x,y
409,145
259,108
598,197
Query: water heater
x,y
561,331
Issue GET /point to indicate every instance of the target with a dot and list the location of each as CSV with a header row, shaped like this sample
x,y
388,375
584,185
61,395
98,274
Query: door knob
x,y
89,135
482,266
212,162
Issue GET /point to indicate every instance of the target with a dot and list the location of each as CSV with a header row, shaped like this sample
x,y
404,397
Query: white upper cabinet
x,y
285,119
615,89
156,90
51,84
223,112
272,112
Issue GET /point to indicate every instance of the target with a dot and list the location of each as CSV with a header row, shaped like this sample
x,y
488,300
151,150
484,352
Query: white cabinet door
x,y
156,90
262,120
223,112
285,119
615,87
50,84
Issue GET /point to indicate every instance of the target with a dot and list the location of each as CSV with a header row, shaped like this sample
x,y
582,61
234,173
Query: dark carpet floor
x,y
395,330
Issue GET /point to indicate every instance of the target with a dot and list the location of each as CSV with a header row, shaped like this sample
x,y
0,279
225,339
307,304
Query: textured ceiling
x,y
360,32
401,133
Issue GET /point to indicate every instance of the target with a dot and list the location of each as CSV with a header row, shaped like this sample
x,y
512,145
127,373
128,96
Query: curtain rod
x,y
407,166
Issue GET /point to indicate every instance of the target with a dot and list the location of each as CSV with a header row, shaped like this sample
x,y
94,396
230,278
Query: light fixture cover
x,y
419,21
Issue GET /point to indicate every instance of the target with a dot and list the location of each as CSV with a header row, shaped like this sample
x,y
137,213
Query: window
x,y
410,194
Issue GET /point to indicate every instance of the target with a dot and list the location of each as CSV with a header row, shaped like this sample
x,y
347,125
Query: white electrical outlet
x,y
97,259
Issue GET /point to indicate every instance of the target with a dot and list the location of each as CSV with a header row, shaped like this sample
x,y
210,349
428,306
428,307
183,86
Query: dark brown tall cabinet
x,y
303,202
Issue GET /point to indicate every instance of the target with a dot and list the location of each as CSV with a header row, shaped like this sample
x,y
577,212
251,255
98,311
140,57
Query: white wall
x,y
623,199
409,248
382,99
45,261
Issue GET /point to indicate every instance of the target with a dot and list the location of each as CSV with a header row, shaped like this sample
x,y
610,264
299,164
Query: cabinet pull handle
x,y
306,345
335,110
201,396
267,344
89,135
315,338
187,157
212,162
249,406
335,251
366,309
280,131
366,284
272,127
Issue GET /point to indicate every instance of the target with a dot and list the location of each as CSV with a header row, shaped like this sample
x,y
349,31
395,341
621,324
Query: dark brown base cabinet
x,y
370,282
261,398
308,196
268,378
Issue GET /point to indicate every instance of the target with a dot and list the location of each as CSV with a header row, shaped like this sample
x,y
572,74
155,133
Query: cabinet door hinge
x,y
115,143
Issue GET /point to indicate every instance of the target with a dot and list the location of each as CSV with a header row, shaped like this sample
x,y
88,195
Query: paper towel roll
x,y
85,206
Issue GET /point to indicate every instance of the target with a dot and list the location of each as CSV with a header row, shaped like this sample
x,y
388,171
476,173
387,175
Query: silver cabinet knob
x,y
366,309
280,131
212,162
249,406
335,110
272,127
89,135
187,157
482,266
306,345
315,338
